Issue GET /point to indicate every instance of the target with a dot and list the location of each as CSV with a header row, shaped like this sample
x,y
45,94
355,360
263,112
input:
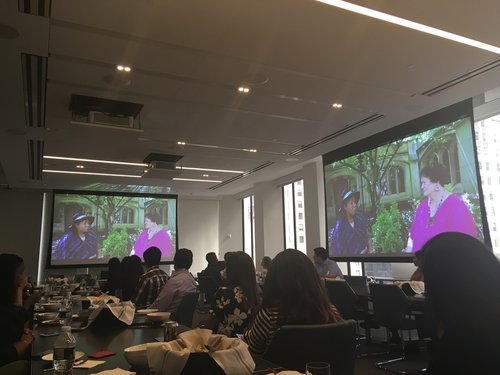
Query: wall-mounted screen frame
x,y
90,227
381,176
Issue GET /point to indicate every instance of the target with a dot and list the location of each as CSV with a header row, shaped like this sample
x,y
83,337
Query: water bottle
x,y
64,352
65,313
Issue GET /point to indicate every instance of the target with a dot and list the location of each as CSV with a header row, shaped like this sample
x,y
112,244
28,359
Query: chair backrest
x,y
208,286
390,304
342,297
359,284
185,311
295,345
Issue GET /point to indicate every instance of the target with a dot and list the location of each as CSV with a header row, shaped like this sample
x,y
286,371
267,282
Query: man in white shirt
x,y
179,284
326,267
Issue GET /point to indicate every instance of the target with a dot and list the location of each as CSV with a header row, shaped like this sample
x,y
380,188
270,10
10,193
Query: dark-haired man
x,y
213,268
180,284
325,267
152,281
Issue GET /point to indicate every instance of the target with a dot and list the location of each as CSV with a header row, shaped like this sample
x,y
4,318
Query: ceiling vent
x,y
35,157
34,69
464,77
241,175
345,129
106,113
162,166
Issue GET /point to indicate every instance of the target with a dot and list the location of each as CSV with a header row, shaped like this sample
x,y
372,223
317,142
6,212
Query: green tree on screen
x,y
387,230
116,244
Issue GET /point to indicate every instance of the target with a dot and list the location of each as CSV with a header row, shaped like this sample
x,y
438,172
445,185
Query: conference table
x,y
112,337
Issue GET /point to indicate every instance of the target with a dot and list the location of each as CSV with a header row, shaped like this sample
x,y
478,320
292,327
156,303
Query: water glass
x,y
318,368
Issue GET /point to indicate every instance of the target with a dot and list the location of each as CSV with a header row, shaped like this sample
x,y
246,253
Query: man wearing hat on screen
x,y
349,235
79,242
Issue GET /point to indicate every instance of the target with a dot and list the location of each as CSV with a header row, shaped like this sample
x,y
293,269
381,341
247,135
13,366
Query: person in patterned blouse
x,y
293,294
234,302
152,281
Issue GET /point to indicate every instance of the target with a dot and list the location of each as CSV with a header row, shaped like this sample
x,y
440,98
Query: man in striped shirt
x,y
152,281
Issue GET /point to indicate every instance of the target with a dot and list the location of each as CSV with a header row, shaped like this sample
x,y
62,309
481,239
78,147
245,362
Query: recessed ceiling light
x,y
80,166
90,173
123,68
194,180
244,89
337,105
96,161
410,24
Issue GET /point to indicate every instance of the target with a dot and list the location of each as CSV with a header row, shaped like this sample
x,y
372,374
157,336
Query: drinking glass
x,y
318,368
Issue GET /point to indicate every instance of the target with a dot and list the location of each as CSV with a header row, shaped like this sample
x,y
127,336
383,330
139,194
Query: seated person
x,y
462,280
294,294
234,302
180,284
79,242
265,263
213,268
15,338
349,234
418,258
324,266
152,281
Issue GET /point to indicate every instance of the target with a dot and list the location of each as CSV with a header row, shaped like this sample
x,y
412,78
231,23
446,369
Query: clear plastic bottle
x,y
64,352
65,313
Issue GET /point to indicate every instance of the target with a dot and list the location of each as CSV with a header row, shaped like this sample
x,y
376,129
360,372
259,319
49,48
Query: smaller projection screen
x,y
388,194
88,228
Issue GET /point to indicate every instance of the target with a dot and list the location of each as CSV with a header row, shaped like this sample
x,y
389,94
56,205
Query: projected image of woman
x,y
153,235
80,242
440,211
349,235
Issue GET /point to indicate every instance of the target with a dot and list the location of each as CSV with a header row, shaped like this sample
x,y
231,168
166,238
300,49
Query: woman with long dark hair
x,y
15,339
234,302
462,287
293,294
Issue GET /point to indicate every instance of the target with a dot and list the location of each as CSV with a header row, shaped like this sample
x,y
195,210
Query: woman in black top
x,y
15,339
462,286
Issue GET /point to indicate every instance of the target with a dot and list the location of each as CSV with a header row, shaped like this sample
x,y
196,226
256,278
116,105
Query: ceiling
x,y
188,59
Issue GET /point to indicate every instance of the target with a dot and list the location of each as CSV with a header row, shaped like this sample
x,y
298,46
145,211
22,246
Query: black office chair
x,y
343,297
295,345
392,310
348,304
185,311
359,284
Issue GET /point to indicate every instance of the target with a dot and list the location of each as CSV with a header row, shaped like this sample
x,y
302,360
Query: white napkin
x,y
123,311
231,354
115,371
104,298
